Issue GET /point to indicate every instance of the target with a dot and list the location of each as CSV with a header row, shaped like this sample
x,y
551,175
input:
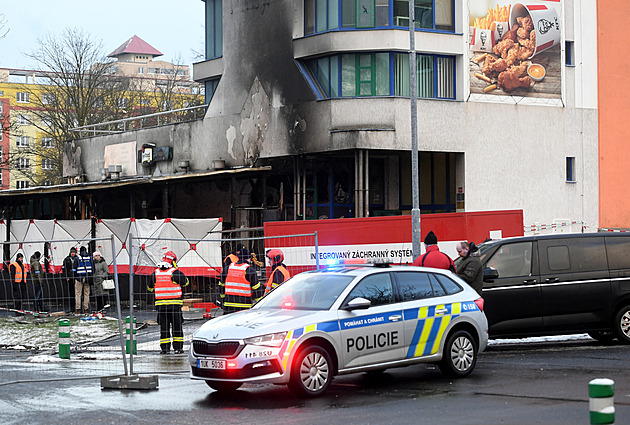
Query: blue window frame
x,y
569,52
571,169
210,86
214,29
325,15
380,74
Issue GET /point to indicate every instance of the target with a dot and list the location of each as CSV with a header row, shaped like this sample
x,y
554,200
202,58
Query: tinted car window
x,y
306,291
377,288
558,257
414,286
573,254
438,290
618,252
512,260
450,287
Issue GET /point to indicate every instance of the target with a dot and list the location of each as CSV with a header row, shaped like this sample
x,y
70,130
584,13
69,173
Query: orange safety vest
x,y
19,272
166,289
236,283
271,284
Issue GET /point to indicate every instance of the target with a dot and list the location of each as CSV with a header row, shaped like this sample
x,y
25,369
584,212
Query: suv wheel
x,y
460,355
622,325
311,372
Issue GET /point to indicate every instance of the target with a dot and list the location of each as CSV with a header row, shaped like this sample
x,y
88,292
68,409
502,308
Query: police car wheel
x,y
224,387
460,355
622,325
311,372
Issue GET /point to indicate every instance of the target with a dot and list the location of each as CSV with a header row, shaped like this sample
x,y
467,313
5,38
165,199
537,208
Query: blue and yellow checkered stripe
x,y
430,327
294,335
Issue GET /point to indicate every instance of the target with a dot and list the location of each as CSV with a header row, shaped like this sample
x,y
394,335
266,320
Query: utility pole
x,y
415,182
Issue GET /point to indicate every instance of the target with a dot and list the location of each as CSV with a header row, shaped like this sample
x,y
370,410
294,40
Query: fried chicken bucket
x,y
541,31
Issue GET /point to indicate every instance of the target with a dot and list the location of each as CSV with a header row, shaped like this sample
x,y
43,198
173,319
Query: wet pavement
x,y
544,383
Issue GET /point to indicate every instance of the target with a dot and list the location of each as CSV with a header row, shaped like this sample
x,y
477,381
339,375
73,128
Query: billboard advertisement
x,y
515,48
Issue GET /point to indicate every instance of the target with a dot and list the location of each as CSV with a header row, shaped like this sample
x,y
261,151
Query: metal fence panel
x,y
33,315
203,295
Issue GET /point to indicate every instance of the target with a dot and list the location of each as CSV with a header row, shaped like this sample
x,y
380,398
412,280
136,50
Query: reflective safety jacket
x,y
241,284
167,292
236,284
278,276
19,272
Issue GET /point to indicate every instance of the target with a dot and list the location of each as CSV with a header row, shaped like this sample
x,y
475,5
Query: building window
x,y
145,102
323,15
23,163
167,105
571,178
214,29
210,88
48,98
0,107
47,142
141,70
46,122
121,102
22,119
22,141
23,97
21,184
370,74
48,183
47,164
569,53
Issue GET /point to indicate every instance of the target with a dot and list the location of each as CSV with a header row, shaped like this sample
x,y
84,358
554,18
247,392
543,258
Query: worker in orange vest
x,y
167,282
18,277
279,273
232,258
241,284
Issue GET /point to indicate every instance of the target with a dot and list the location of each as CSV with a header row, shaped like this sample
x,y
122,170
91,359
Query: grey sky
x,y
175,28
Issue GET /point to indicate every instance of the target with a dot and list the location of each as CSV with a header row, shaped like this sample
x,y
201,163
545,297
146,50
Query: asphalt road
x,y
541,383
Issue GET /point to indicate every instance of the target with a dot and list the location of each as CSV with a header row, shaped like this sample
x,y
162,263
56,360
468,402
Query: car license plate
x,y
211,364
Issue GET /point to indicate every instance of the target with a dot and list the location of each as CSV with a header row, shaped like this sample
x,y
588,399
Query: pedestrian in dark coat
x,y
37,277
67,271
101,272
470,267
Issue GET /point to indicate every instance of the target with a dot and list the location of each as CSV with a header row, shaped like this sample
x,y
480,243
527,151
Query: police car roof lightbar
x,y
377,262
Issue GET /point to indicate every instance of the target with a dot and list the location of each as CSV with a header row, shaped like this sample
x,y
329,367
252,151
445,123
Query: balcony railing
x,y
142,121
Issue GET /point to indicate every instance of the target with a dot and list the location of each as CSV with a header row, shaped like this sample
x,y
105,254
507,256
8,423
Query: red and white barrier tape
x,y
534,227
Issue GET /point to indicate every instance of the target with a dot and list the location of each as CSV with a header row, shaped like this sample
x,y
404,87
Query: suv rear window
x,y
618,252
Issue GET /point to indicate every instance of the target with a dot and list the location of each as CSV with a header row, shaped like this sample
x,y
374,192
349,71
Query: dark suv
x,y
558,284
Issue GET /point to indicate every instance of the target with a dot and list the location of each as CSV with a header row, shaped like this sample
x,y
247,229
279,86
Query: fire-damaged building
x,y
308,117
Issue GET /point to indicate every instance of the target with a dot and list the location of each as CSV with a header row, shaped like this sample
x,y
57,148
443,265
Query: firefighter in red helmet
x,y
167,281
279,273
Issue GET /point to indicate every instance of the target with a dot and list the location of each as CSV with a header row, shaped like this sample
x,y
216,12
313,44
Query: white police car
x,y
342,320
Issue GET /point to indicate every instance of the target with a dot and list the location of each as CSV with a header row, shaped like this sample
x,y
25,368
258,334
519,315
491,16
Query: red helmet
x,y
275,256
169,257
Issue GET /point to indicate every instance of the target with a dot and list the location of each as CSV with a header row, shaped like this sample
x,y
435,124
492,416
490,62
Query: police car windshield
x,y
306,291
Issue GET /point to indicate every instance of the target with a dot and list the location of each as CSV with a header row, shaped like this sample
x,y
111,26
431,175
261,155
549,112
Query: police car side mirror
x,y
490,273
358,303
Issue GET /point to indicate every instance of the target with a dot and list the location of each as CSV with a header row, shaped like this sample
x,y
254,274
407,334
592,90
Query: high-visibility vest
x,y
85,266
166,291
236,283
271,284
19,272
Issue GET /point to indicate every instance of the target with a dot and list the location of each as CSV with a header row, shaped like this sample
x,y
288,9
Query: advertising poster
x,y
515,48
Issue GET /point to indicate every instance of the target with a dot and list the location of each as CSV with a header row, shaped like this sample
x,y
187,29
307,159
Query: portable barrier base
x,y
132,382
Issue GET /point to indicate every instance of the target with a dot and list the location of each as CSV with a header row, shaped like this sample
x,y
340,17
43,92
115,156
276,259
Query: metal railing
x,y
142,121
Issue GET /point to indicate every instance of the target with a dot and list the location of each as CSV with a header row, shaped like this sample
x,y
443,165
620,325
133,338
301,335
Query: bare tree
x,y
72,88
3,24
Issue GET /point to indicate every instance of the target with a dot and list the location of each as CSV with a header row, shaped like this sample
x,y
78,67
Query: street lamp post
x,y
415,182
